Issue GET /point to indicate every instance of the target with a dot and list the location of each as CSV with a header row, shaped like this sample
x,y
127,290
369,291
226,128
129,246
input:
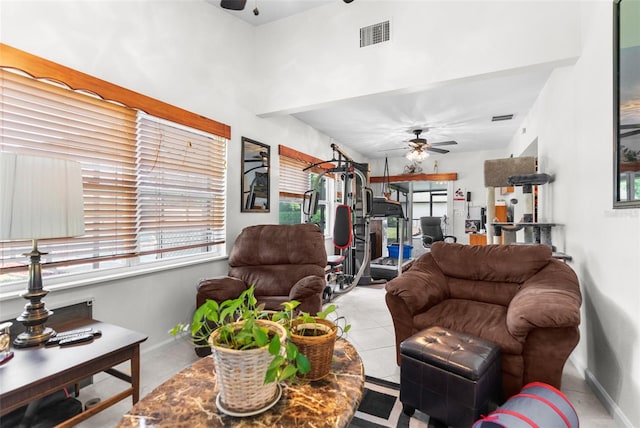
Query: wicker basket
x,y
318,349
240,374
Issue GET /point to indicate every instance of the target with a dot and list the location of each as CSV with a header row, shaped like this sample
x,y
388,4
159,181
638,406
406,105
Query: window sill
x,y
66,282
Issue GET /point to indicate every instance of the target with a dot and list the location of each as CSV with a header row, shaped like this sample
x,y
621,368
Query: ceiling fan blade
x,y
444,143
393,148
433,149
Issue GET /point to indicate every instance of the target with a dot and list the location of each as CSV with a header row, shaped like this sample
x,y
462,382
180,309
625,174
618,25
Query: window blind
x,y
293,180
181,186
150,186
295,174
47,119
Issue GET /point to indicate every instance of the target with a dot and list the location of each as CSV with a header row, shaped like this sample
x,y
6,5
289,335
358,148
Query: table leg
x,y
135,374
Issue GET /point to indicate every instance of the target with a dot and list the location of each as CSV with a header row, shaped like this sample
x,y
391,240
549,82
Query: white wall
x,y
150,303
573,122
316,58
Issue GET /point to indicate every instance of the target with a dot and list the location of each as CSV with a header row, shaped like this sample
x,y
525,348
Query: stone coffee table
x,y
188,399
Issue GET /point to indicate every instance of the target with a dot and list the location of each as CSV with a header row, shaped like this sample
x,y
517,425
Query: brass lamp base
x,y
28,338
33,318
35,314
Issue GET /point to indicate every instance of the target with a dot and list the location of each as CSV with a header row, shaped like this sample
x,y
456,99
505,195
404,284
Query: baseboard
x,y
614,410
167,341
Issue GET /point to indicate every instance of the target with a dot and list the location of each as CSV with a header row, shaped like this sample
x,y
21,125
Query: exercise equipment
x,y
387,268
354,192
342,240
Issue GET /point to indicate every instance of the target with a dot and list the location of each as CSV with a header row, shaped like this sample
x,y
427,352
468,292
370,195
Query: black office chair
x,y
432,231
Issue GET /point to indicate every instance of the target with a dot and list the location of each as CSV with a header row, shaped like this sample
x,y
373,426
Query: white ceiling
x,y
271,10
380,125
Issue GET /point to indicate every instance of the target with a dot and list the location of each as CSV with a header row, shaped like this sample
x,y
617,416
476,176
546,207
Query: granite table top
x,y
188,399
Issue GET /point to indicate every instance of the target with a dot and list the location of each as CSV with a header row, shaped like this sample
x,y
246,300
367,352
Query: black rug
x,y
381,407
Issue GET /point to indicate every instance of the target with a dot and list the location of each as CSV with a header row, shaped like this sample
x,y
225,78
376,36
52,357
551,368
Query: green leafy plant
x,y
235,322
289,318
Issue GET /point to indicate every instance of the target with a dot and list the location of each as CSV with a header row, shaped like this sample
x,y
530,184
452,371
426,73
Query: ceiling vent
x,y
374,34
503,117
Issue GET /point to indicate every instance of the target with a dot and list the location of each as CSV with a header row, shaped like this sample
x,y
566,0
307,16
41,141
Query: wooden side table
x,y
188,399
37,372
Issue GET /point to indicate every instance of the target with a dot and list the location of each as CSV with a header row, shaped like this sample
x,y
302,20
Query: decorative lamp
x,y
417,155
40,198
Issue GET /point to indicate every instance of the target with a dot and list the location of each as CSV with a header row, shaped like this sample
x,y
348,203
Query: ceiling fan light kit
x,y
420,147
417,155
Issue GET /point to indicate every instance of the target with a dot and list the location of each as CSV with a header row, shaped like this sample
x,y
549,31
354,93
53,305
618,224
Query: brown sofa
x,y
283,262
516,296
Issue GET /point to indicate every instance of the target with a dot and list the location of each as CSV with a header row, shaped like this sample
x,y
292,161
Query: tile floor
x,y
372,335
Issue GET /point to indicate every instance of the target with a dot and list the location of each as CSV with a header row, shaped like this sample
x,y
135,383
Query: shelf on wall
x,y
445,176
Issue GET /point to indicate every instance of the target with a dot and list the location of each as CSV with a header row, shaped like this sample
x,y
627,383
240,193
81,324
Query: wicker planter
x,y
240,374
318,349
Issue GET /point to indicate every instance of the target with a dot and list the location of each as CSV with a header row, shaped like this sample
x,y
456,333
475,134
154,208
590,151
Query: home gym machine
x,y
351,234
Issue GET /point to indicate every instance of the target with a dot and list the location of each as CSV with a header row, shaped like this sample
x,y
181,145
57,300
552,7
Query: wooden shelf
x,y
445,176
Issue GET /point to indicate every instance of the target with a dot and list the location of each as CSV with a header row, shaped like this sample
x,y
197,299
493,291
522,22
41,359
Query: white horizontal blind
x,y
181,187
46,119
150,187
293,180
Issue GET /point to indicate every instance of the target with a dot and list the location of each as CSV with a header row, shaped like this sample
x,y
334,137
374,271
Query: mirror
x,y
255,176
627,104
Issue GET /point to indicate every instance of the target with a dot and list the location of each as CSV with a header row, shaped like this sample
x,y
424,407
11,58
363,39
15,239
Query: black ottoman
x,y
452,377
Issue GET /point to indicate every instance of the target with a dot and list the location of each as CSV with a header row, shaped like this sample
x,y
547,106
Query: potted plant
x,y
314,336
251,353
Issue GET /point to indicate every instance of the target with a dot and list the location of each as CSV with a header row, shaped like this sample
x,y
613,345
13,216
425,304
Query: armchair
x,y
516,296
283,262
432,231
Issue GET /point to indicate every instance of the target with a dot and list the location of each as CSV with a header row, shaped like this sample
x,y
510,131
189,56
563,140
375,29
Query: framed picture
x,y
626,104
471,226
255,176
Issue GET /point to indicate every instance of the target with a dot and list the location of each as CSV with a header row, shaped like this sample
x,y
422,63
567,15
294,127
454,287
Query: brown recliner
x,y
283,262
517,296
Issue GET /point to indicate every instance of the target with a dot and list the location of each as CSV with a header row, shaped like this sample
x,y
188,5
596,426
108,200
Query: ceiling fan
x,y
240,4
260,157
420,147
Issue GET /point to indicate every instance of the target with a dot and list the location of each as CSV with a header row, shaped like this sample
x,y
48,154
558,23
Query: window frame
x,y
622,130
318,166
42,69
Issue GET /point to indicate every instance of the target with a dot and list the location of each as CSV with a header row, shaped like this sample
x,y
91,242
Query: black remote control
x,y
86,337
62,334
71,334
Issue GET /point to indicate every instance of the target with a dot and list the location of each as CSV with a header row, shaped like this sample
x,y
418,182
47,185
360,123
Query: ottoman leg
x,y
408,410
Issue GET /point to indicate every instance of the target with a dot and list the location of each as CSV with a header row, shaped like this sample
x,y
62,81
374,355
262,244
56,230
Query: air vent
x,y
373,34
503,117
